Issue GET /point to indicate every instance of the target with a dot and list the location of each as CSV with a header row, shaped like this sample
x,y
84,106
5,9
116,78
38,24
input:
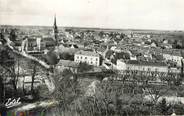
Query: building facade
x,y
175,58
142,66
91,58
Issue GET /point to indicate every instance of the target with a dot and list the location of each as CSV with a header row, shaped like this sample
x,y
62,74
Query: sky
x,y
124,14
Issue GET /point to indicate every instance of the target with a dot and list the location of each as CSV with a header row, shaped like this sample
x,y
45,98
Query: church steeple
x,y
55,31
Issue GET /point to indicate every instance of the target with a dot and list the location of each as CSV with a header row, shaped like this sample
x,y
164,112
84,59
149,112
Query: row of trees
x,y
115,98
10,67
10,72
133,95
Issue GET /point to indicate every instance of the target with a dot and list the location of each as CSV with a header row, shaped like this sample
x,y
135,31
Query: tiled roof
x,y
87,53
145,63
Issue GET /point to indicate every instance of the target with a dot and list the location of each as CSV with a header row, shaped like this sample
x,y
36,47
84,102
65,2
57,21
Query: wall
x,y
91,60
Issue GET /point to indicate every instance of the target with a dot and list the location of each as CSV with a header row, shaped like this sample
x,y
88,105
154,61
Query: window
x,y
85,57
81,57
77,57
96,59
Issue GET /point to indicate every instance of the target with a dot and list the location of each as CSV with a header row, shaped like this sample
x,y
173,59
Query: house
x,y
31,44
133,57
165,41
92,58
153,44
174,70
142,66
173,56
166,46
48,42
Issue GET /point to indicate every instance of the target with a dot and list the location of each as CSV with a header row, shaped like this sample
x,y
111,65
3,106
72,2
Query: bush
x,y
66,56
178,108
83,67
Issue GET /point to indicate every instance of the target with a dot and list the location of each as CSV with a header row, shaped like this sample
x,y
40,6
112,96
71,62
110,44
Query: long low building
x,y
142,66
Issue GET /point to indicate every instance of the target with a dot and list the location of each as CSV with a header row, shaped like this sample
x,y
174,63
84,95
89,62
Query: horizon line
x,y
88,27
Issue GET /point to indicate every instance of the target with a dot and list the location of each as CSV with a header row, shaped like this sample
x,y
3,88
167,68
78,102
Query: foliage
x,y
13,35
6,57
67,90
51,58
163,107
111,98
86,43
2,108
67,73
66,56
178,108
2,39
1,89
41,92
122,55
83,67
108,54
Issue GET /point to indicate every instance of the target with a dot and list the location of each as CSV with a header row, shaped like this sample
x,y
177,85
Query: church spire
x,y
55,25
55,31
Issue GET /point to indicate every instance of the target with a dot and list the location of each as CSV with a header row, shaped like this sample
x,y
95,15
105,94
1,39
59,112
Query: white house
x,y
133,57
121,65
92,58
153,44
38,42
173,57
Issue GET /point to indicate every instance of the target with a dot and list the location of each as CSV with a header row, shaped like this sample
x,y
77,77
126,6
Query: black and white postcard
x,y
91,57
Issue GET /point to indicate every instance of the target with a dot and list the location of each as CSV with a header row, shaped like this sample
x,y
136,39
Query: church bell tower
x,y
55,31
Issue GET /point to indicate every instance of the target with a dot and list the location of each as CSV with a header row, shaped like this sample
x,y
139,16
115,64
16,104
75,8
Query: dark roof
x,y
146,63
48,39
67,63
87,53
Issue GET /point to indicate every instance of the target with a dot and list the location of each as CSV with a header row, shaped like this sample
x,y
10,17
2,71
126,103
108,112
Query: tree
x,y
86,43
122,55
1,89
2,39
108,54
13,35
33,78
67,73
83,67
51,58
66,56
7,62
66,92
50,81
163,107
